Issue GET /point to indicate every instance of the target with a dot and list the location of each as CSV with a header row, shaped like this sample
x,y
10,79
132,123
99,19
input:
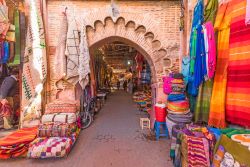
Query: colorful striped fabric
x,y
16,144
218,99
198,151
238,86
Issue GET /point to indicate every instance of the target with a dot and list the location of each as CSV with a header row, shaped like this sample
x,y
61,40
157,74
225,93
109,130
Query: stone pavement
x,y
114,139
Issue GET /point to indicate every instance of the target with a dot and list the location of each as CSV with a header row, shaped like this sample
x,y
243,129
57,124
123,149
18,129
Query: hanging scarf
x,y
18,42
72,51
60,59
211,11
84,60
34,67
6,55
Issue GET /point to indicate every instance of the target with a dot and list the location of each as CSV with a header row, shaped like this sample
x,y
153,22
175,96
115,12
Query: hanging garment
x,y
34,66
6,52
84,60
185,68
211,11
218,99
202,106
200,61
193,40
238,98
72,51
60,58
17,54
247,19
211,52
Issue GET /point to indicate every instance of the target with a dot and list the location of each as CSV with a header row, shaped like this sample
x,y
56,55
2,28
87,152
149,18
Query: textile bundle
x,y
60,107
191,145
53,147
177,103
17,143
57,132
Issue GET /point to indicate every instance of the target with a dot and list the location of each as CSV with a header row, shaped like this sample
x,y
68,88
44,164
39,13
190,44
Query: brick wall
x,y
160,18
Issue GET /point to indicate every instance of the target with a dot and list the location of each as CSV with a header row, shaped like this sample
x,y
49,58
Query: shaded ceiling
x,y
117,54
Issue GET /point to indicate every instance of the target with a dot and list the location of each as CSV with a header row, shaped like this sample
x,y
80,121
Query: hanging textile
x,y
60,59
17,54
34,67
247,19
210,11
200,69
22,35
6,52
72,51
197,21
4,21
84,60
203,102
211,52
238,98
218,99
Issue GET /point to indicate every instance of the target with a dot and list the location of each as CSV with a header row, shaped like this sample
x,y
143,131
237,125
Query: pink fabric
x,y
167,84
211,49
248,12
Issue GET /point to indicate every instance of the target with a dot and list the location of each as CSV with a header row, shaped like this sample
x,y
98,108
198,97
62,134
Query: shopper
x,y
118,84
125,84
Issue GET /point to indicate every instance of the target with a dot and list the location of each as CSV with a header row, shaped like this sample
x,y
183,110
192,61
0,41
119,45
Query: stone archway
x,y
139,31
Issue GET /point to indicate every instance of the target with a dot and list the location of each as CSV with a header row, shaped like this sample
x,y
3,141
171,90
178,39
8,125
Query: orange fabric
x,y
218,99
20,136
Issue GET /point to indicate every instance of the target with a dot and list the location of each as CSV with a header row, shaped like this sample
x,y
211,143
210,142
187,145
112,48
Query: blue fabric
x,y
176,97
6,54
198,17
200,61
185,68
192,89
215,131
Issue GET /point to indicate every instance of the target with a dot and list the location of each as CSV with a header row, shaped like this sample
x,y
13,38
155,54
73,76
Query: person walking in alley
x,y
125,84
118,84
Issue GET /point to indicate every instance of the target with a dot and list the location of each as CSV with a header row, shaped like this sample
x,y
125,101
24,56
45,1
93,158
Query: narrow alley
x,y
114,139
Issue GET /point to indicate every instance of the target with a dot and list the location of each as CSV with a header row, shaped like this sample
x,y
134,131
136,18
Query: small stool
x,y
157,127
145,123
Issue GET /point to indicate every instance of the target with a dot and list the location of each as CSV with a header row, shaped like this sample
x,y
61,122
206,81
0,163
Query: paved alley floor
x,y
113,140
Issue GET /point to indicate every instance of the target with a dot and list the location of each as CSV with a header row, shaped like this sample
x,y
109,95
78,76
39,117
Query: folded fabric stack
x,y
192,145
143,100
177,103
57,132
17,143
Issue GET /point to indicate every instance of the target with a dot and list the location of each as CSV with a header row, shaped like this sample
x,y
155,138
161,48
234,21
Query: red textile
x,y
238,98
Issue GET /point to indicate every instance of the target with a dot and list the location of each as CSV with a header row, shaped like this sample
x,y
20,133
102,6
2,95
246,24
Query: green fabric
x,y
17,42
201,112
211,11
238,151
232,131
193,51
